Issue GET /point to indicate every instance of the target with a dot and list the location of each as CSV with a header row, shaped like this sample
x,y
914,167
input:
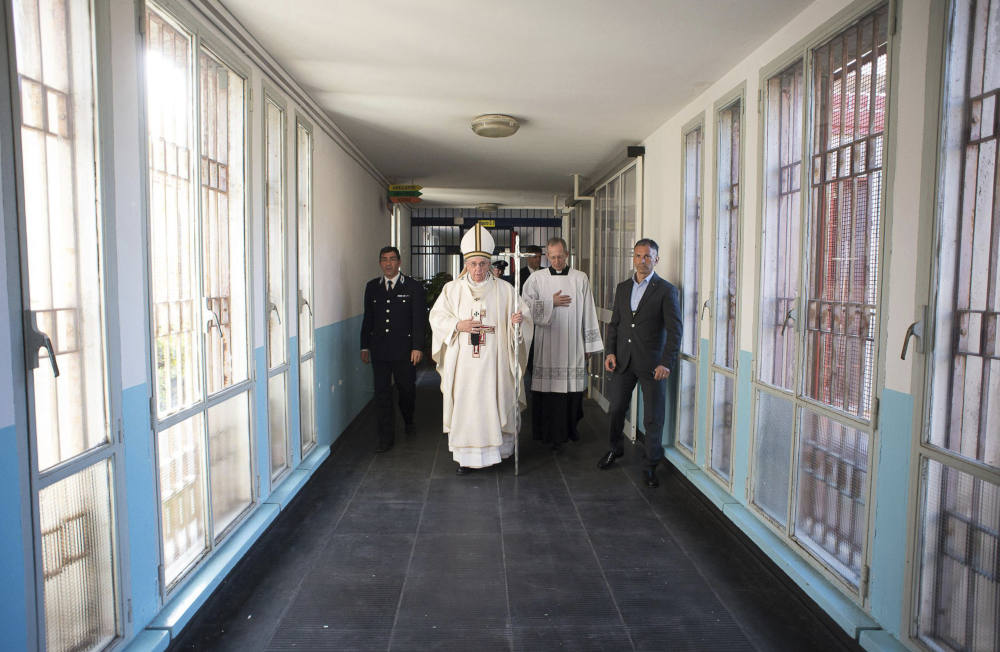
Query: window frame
x,y
803,405
695,124
304,123
110,452
924,451
725,103
201,39
275,97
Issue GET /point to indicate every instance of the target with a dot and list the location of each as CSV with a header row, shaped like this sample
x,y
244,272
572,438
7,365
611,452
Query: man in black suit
x,y
643,340
392,335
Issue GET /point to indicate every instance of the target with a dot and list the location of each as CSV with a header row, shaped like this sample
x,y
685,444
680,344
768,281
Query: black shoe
x,y
609,459
463,470
651,480
410,428
383,447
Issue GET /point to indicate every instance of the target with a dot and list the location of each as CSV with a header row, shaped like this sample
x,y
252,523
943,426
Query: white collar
x,y
393,279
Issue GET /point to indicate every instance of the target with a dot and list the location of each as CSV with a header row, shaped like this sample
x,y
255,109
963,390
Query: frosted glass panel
x,y
182,495
727,229
830,496
772,455
687,424
722,423
173,225
223,224
960,578
274,185
229,456
278,430
307,404
78,560
62,226
303,149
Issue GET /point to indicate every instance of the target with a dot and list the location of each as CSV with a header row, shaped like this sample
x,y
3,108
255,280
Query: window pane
x,y
277,431
304,184
779,256
966,363
628,226
62,225
723,388
727,229
687,422
173,228
229,459
850,95
692,240
78,560
307,405
181,451
585,212
223,224
772,455
830,496
275,204
960,569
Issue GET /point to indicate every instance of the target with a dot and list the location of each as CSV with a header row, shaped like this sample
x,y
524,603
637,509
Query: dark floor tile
x,y
442,600
619,517
458,554
362,555
608,638
393,486
329,639
612,484
654,597
546,550
454,638
691,634
345,603
366,517
625,550
474,488
458,518
560,598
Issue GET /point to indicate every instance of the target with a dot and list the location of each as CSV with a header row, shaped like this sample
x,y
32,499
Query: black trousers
x,y
405,375
554,416
654,398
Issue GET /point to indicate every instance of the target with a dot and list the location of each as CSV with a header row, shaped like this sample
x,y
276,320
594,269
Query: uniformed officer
x,y
392,335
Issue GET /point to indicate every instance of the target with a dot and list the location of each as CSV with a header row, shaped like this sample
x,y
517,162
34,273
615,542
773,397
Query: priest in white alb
x,y
479,355
561,306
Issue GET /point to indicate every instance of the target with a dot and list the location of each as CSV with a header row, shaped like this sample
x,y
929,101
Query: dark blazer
x,y
653,335
394,321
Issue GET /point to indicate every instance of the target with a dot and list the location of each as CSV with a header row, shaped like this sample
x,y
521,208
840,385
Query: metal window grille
x,y
832,484
966,381
727,236
687,423
173,234
849,93
780,260
960,574
959,599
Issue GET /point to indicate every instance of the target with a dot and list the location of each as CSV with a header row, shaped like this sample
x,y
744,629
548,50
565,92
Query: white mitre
x,y
477,242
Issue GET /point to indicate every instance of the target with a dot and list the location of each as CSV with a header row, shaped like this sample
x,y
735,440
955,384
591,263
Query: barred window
x,y
688,362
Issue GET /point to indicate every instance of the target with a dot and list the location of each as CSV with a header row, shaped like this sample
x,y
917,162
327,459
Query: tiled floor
x,y
396,552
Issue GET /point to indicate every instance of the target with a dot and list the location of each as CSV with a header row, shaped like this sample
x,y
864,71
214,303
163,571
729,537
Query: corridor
x,y
394,551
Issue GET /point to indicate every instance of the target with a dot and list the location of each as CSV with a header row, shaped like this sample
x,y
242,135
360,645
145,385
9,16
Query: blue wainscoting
x,y
13,574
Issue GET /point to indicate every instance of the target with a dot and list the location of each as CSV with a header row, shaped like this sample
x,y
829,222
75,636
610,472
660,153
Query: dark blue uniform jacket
x,y
394,321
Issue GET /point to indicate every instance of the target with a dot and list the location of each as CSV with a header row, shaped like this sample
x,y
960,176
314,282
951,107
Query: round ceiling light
x,y
494,125
487,207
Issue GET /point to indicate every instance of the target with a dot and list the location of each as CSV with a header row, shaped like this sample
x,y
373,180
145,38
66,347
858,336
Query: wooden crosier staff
x,y
517,256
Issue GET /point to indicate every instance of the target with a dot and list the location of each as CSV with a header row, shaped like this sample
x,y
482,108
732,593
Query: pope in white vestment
x,y
562,309
479,353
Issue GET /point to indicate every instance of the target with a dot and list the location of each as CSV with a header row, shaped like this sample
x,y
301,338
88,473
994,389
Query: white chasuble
x,y
563,334
481,414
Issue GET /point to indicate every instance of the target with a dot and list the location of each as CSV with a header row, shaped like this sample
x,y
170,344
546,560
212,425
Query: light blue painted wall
x,y
892,486
13,575
344,384
141,505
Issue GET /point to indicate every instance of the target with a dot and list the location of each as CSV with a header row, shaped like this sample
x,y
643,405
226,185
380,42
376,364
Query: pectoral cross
x,y
478,337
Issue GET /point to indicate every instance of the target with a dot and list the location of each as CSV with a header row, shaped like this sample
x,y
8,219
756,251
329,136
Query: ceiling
x,y
584,77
